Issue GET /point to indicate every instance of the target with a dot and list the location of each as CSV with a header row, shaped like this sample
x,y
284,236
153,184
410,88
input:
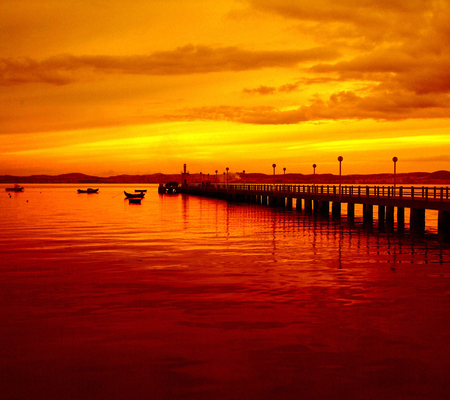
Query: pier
x,y
390,201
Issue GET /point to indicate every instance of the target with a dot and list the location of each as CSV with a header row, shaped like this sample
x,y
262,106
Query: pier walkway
x,y
317,199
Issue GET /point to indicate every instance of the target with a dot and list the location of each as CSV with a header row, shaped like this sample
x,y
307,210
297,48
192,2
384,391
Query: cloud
x,y
344,105
265,90
394,68
370,21
262,90
289,87
401,45
64,69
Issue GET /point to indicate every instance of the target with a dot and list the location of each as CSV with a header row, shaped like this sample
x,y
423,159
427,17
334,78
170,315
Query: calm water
x,y
185,297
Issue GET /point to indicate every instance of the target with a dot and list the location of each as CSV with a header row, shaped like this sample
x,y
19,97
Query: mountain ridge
x,y
438,177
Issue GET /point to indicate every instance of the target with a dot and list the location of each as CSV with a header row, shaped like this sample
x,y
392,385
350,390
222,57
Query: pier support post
x,y
417,220
390,218
316,206
444,226
401,219
336,209
298,205
308,206
350,213
324,208
381,216
289,203
368,214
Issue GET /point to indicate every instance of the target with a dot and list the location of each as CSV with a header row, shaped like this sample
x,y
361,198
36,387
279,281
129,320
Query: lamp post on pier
x,y
284,178
274,166
227,177
340,158
395,159
314,174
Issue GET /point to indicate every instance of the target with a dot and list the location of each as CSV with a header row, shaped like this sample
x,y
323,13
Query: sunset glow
x,y
109,87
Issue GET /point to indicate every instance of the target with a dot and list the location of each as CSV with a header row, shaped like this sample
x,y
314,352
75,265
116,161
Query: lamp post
x,y
227,177
216,177
314,174
284,178
274,166
395,159
340,158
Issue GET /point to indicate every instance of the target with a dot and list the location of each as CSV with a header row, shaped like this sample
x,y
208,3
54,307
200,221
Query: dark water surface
x,y
184,297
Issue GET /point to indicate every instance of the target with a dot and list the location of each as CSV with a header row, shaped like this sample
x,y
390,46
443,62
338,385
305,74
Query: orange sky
x,y
108,87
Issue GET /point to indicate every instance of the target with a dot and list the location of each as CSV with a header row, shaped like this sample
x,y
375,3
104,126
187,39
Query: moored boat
x,y
16,188
169,188
134,195
140,190
88,190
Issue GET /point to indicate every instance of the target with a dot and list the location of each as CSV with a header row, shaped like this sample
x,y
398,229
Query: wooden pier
x,y
317,199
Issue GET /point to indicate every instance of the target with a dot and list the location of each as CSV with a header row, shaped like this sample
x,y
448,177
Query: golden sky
x,y
110,87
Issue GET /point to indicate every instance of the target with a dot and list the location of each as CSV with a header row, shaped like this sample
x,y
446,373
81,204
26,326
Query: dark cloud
x,y
394,68
345,105
289,87
189,59
262,90
409,40
370,21
265,90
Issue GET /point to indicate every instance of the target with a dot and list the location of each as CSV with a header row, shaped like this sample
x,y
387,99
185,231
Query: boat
x,y
88,190
140,190
170,187
16,188
135,200
134,195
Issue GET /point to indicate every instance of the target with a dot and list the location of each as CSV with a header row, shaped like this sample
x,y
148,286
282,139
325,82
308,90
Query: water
x,y
186,297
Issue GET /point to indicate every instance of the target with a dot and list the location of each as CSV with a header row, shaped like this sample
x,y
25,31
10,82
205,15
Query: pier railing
x,y
398,192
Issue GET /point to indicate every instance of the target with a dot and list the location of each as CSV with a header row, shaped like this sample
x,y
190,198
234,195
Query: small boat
x,y
88,190
169,188
134,195
135,200
16,188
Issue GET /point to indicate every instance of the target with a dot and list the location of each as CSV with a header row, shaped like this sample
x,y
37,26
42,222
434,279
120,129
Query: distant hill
x,y
417,178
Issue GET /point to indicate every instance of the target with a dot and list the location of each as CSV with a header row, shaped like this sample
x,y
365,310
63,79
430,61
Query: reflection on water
x,y
187,297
